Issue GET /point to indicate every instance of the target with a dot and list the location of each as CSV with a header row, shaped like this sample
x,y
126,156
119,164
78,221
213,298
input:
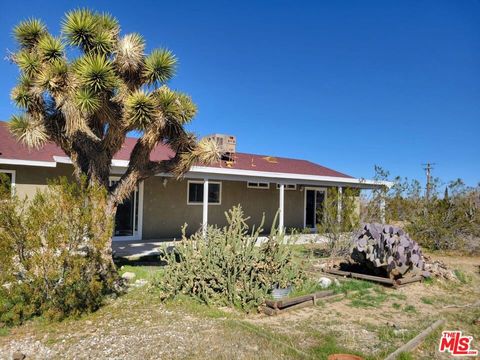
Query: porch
x,y
161,205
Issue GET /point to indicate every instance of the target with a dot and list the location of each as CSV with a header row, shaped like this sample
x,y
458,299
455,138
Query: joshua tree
x,y
87,102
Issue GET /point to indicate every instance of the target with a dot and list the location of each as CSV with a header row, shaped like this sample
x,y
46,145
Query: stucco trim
x,y
28,162
244,175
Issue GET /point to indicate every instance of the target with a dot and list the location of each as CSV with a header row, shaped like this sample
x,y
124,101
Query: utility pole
x,y
428,167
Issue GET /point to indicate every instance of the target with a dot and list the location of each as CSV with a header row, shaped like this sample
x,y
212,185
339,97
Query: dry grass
x,y
367,319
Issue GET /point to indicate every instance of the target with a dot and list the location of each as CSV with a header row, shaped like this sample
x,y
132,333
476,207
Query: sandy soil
x,y
138,326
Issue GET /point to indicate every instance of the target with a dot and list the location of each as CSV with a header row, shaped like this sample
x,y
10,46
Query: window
x,y
258,185
7,180
288,186
195,193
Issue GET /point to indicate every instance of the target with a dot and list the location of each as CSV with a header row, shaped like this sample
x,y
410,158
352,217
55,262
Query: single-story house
x,y
161,205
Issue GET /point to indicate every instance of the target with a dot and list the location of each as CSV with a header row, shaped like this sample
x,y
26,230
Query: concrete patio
x,y
141,248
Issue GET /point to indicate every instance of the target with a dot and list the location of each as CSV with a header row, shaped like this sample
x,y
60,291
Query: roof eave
x,y
231,174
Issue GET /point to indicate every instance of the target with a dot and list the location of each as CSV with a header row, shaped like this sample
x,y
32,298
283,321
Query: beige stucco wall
x,y
165,208
30,178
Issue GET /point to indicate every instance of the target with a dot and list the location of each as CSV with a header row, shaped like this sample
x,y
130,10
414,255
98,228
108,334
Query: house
x,y
161,205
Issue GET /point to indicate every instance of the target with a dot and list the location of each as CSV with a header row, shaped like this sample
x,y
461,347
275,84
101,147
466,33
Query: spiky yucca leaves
x,y
176,105
50,48
79,27
130,53
29,131
21,94
108,23
25,95
96,72
54,77
29,62
87,101
204,152
160,67
29,32
91,31
141,110
102,43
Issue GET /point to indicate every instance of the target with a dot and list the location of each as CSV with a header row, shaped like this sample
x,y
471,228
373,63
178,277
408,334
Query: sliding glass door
x,y
314,206
128,216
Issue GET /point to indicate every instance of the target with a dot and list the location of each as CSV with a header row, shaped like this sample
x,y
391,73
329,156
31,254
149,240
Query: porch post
x,y
339,204
205,208
281,209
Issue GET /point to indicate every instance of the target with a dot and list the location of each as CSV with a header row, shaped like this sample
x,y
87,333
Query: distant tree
x,y
88,99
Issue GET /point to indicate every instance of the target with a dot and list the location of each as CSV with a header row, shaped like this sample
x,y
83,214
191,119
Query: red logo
x,y
456,344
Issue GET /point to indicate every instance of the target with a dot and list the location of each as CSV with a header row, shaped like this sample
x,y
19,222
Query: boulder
x,y
18,356
324,282
128,276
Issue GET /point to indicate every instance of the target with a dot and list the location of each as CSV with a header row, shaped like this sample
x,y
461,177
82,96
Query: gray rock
x,y
324,282
18,356
128,275
141,282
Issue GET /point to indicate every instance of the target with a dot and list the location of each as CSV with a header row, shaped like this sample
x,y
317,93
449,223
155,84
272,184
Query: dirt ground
x,y
371,321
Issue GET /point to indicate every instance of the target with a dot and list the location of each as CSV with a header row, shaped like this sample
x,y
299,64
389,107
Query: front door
x,y
314,203
128,216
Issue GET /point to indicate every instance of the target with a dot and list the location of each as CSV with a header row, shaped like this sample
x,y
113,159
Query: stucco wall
x,y
30,178
165,208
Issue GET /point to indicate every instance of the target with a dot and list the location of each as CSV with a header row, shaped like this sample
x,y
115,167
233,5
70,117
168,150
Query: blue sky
x,y
346,84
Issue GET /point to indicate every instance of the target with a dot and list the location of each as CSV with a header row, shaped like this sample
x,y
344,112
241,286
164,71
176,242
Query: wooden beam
x,y
361,276
412,344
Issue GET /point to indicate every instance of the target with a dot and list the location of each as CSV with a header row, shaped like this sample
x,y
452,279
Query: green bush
x,y
451,222
228,267
51,258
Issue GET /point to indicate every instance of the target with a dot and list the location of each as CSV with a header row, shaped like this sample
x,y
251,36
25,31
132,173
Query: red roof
x,y
11,149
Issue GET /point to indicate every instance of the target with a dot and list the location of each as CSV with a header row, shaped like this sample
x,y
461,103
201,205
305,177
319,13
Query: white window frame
x,y
13,173
201,182
137,235
251,186
287,188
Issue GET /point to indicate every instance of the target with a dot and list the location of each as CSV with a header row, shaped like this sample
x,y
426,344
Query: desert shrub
x,y
228,266
448,222
338,229
51,261
451,223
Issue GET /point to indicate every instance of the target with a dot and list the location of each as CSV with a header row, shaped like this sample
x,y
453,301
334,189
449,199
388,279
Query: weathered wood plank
x,y
286,302
403,281
361,276
412,344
